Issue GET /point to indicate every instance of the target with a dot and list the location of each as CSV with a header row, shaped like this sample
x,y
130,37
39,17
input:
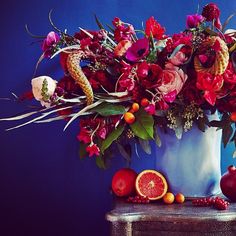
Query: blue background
x,y
44,188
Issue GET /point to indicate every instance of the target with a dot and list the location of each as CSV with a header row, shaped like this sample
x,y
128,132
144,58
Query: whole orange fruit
x,y
129,117
179,198
169,198
135,107
233,116
151,184
123,182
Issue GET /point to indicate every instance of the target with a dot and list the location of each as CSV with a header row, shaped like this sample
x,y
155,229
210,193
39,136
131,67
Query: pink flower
x,y
122,31
194,20
138,50
178,59
48,43
150,109
154,28
172,80
127,83
93,149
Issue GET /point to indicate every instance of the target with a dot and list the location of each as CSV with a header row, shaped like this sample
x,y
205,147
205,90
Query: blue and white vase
x,y
191,165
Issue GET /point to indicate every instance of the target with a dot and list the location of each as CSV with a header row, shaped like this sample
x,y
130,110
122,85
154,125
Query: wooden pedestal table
x,y
158,219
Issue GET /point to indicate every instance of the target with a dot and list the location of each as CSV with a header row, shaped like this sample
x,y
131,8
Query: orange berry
x,y
168,198
129,117
144,102
233,116
135,106
179,197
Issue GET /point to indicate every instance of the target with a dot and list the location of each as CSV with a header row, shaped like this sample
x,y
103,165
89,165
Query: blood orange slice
x,y
151,184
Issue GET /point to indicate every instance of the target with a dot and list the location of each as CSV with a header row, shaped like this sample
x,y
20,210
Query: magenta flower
x,y
93,149
194,20
48,43
150,109
138,50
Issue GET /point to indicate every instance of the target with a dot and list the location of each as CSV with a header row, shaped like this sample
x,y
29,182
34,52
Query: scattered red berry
x,y
138,199
221,204
217,202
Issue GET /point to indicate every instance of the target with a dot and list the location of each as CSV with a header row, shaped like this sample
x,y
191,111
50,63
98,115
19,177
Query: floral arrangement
x,y
124,83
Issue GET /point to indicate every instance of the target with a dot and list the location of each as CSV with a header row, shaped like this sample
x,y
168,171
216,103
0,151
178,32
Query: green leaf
x,y
108,109
82,150
202,122
125,151
157,137
100,162
226,134
114,135
143,125
98,22
110,28
145,146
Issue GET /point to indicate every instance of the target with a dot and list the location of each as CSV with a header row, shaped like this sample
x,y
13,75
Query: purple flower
x,y
48,43
138,50
194,20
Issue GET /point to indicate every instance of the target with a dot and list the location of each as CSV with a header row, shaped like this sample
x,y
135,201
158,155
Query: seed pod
x,y
221,60
73,66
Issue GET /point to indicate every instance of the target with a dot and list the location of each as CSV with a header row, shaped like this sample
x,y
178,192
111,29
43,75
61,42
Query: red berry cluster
x,y
138,199
217,202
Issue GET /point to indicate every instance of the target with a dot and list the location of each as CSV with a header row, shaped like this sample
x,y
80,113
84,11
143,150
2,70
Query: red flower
x,y
93,149
148,74
229,74
154,28
210,84
212,12
84,136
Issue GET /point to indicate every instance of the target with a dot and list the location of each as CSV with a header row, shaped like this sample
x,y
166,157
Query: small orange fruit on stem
x,y
129,117
144,102
233,116
168,198
179,198
135,107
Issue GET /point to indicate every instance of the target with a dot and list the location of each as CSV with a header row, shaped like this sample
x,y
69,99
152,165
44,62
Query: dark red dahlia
x,y
212,12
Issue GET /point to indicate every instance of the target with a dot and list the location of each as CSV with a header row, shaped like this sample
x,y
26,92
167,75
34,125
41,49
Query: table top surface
x,y
158,211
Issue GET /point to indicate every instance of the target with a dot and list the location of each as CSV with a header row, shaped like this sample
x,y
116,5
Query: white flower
x,y
43,87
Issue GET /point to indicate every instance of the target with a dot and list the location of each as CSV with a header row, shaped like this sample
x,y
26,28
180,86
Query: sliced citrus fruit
x,y
151,184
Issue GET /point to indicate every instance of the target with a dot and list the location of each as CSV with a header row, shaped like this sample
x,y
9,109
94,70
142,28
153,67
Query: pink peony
x,y
172,80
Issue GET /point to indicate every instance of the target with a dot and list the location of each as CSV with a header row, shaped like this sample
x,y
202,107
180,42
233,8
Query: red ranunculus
x,y
84,136
154,28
